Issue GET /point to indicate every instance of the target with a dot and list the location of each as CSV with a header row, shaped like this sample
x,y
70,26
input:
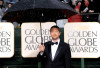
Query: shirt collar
x,y
57,41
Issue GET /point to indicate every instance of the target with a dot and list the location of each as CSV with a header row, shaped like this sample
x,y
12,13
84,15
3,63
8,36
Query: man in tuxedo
x,y
55,53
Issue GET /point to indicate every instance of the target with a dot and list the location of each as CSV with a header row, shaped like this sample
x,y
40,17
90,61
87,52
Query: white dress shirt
x,y
54,49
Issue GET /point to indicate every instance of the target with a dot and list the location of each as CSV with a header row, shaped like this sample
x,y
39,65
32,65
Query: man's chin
x,y
54,38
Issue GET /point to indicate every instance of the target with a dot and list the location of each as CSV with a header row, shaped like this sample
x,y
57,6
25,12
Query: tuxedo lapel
x,y
49,49
58,50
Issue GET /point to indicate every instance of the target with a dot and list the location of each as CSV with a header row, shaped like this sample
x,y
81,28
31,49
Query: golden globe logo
x,y
31,37
6,40
83,39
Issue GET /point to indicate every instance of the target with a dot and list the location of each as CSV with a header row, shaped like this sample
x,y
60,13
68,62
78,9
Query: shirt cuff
x,y
41,53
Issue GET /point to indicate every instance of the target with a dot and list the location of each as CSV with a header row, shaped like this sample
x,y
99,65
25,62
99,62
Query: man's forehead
x,y
54,29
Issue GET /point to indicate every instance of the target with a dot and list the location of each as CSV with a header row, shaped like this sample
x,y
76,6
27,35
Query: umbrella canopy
x,y
38,10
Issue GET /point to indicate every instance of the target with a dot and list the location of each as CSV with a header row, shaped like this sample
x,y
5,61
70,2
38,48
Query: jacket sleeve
x,y
40,56
67,57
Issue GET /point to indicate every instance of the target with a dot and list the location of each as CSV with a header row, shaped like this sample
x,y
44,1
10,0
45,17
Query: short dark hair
x,y
55,26
78,2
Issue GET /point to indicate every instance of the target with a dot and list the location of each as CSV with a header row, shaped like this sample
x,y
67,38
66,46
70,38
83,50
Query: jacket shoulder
x,y
47,43
65,44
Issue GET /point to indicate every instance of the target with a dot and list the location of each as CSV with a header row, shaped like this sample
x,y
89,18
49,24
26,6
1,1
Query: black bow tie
x,y
52,43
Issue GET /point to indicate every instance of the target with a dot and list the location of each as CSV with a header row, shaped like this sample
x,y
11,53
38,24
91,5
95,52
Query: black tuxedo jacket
x,y
61,59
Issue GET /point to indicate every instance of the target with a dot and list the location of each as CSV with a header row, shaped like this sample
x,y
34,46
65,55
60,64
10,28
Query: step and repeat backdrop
x,y
6,40
83,37
31,37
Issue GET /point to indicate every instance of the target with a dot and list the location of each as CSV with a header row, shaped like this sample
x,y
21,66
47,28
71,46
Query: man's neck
x,y
55,40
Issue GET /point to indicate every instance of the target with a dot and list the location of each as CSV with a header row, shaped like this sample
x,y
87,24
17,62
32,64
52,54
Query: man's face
x,y
55,33
9,5
79,3
1,3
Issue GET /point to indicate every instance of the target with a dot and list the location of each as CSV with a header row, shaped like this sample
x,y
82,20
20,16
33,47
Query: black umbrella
x,y
38,10
34,10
